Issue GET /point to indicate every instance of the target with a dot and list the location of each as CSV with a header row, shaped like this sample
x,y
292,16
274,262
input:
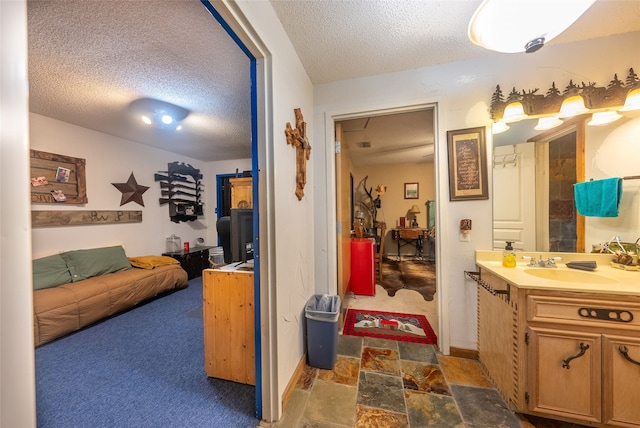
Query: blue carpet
x,y
142,368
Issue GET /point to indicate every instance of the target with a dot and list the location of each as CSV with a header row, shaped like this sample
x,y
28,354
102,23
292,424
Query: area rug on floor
x,y
416,275
389,325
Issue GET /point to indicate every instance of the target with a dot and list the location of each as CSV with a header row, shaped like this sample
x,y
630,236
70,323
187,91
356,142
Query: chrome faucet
x,y
549,263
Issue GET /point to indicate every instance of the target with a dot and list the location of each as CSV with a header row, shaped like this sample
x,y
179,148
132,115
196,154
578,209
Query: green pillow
x,y
50,272
85,264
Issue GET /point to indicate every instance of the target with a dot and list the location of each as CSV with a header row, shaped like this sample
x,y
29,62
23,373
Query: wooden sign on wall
x,y
83,217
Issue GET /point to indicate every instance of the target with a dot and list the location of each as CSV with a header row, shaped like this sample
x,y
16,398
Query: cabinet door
x,y
229,333
621,381
564,369
241,192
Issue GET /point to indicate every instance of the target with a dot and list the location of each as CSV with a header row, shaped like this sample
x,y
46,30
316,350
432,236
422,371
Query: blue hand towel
x,y
598,198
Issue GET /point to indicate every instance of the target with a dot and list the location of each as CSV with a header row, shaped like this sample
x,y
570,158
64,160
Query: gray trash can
x,y
321,312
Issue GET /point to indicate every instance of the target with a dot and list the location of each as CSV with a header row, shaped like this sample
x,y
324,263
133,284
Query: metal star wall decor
x,y
131,191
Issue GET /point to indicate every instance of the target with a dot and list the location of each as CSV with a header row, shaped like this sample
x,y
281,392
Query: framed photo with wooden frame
x,y
57,178
411,190
467,164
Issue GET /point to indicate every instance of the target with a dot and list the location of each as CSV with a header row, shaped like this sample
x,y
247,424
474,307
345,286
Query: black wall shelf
x,y
181,186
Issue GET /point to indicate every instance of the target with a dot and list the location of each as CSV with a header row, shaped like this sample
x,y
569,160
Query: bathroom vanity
x,y
562,343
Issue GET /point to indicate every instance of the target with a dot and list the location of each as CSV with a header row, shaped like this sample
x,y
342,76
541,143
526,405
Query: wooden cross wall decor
x,y
298,138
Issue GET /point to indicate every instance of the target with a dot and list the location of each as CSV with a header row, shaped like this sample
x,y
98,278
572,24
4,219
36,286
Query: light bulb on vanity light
x,y
545,123
514,112
499,127
572,106
603,118
633,101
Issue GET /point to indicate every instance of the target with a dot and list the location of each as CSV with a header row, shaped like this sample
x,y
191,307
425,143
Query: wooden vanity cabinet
x,y
557,386
621,380
572,356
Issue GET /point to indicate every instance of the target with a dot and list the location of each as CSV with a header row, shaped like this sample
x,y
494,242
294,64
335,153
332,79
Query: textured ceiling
x,y
369,37
89,60
392,138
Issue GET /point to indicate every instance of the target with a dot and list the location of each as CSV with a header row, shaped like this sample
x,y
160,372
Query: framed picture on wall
x,y
467,164
57,178
411,190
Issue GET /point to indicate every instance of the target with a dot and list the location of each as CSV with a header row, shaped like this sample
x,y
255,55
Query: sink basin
x,y
570,275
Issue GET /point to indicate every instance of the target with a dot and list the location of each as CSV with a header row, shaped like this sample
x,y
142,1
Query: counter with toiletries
x,y
605,278
559,335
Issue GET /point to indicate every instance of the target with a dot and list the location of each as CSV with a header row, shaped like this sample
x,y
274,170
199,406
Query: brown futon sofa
x,y
77,288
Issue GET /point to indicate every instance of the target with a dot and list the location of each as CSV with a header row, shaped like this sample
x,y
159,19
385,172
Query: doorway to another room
x,y
385,194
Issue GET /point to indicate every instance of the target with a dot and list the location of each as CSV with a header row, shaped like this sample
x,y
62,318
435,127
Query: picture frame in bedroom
x,y
47,181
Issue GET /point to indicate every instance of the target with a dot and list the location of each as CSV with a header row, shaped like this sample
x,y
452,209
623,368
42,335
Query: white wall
x,y
463,91
17,372
289,223
111,160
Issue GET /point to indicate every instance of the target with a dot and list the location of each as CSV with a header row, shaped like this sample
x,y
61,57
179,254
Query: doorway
x,y
392,151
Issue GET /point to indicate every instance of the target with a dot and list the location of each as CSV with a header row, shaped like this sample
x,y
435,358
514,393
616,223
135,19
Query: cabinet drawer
x,y
580,311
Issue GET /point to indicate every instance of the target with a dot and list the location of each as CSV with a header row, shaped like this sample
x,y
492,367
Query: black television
x,y
241,234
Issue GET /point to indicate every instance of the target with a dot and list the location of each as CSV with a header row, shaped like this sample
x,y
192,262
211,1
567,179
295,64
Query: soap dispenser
x,y
508,256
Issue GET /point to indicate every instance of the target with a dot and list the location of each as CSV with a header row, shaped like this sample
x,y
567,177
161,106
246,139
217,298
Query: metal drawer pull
x,y
619,315
583,349
625,353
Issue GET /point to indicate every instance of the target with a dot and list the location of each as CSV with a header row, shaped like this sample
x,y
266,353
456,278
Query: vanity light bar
x,y
618,95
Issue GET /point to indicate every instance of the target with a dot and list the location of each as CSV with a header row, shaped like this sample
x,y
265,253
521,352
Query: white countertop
x,y
605,279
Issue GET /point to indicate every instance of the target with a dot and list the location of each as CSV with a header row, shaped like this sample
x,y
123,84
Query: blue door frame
x,y
256,219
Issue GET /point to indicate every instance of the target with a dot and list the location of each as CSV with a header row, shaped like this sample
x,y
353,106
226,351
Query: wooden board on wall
x,y
83,217
72,184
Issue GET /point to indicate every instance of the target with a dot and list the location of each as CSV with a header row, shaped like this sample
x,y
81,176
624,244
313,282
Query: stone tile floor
x,y
384,383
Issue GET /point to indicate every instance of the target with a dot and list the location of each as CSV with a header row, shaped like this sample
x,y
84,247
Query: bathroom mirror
x,y
533,176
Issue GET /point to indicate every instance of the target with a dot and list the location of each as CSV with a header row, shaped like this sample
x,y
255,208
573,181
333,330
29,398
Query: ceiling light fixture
x,y
511,26
160,114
